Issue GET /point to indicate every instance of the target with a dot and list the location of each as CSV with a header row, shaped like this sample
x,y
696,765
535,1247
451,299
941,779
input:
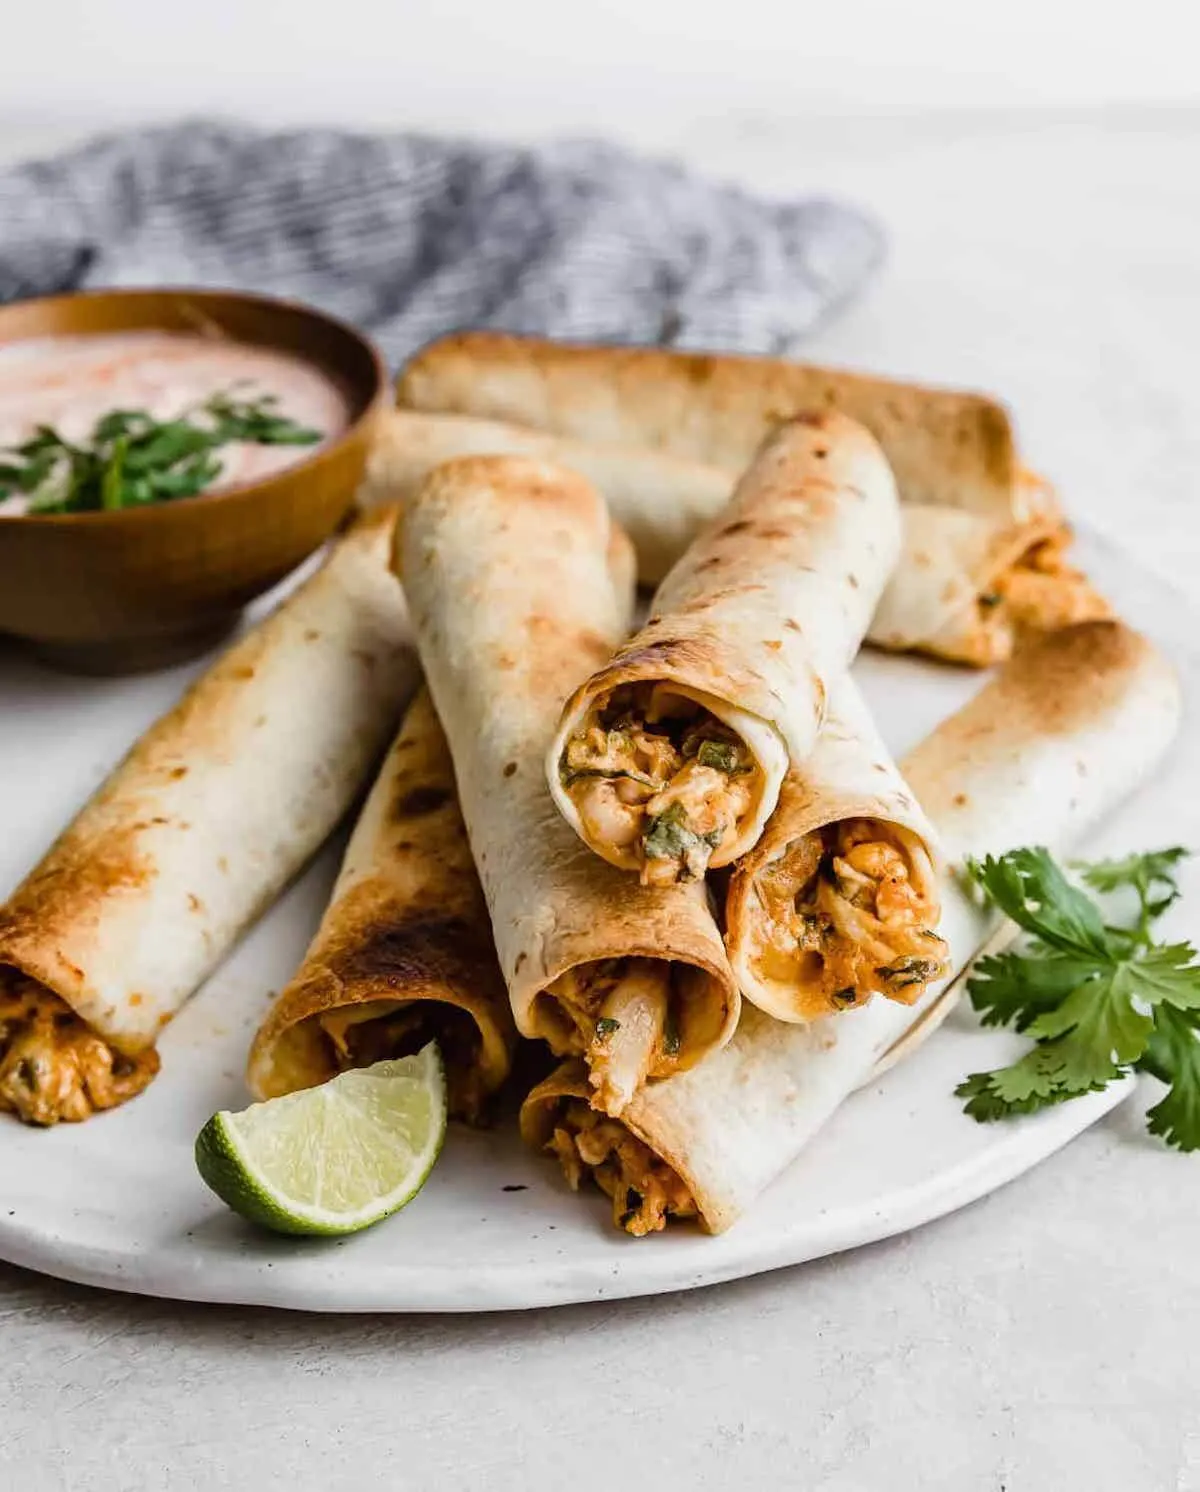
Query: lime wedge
x,y
332,1159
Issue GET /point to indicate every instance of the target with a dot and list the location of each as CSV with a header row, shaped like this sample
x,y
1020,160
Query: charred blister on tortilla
x,y
848,911
653,772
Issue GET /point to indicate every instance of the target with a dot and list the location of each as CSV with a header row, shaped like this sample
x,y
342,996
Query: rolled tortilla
x,y
967,588
1066,730
840,899
404,953
945,447
965,585
195,833
520,586
662,502
670,758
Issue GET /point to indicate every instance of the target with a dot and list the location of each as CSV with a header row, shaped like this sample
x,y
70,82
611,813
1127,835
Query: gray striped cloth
x,y
408,236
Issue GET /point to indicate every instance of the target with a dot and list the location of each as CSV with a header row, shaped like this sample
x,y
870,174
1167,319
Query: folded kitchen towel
x,y
409,236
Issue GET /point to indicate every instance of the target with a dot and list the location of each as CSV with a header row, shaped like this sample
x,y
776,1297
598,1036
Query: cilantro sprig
x,y
1099,998
131,459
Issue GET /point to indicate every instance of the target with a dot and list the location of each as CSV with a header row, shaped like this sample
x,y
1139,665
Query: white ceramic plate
x,y
118,1202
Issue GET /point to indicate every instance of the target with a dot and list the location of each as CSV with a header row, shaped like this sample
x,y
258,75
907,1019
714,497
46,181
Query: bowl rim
x,y
331,451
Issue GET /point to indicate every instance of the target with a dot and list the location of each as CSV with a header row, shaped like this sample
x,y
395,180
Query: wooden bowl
x,y
139,588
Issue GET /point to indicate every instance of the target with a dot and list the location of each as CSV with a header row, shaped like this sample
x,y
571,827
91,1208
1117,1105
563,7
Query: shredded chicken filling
x,y
360,1035
645,1191
656,775
1041,591
847,912
618,1014
53,1066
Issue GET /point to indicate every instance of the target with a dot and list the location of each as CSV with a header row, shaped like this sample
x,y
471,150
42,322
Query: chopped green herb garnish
x,y
670,837
719,754
131,459
605,1026
1099,1000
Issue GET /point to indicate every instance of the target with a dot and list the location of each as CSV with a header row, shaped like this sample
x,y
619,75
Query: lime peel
x,y
333,1159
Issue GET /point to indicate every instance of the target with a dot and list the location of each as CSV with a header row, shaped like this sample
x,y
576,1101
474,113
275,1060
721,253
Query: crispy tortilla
x,y
197,831
404,952
945,447
849,788
519,586
965,586
754,623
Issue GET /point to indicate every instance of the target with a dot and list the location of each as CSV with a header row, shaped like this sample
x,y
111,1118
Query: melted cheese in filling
x,y
847,912
656,776
616,1013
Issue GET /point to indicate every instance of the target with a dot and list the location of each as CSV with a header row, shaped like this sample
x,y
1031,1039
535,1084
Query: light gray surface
x,y
1045,1338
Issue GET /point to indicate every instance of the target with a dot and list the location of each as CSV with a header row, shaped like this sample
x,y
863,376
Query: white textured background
x,y
628,66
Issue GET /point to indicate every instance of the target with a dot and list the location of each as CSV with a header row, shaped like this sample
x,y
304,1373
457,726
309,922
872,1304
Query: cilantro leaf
x,y
1173,1056
1014,989
1028,887
1049,1073
1144,874
1097,1000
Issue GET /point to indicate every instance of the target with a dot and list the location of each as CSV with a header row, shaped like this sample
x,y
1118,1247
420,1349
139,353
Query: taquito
x,y
945,447
194,834
520,585
670,758
404,953
1068,728
840,898
965,585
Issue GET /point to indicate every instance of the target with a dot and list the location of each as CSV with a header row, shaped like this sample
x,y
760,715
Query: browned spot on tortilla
x,y
739,527
136,999
774,533
509,768
711,563
521,959
177,772
243,672
194,903
222,864
852,582
311,635
422,800
774,646
960,800
793,625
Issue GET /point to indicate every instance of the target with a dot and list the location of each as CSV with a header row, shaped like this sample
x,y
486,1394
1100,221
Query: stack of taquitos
x,y
664,434
519,585
661,759
669,759
1075,722
195,833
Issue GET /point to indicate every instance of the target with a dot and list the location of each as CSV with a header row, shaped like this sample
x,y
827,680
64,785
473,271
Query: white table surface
x,y
1044,1340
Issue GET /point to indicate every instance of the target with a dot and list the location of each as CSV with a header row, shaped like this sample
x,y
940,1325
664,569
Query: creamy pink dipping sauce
x,y
71,382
